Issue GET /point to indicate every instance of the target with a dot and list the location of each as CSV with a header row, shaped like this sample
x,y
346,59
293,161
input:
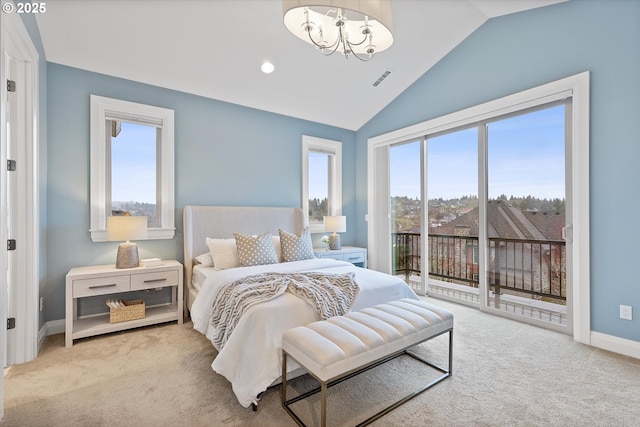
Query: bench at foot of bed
x,y
341,347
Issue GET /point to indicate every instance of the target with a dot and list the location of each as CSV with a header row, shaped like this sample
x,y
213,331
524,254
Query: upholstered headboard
x,y
221,222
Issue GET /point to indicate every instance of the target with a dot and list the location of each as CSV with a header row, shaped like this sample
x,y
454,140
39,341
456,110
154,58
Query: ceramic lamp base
x,y
127,256
334,244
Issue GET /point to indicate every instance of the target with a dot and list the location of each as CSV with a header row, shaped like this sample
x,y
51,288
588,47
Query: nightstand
x,y
101,280
354,255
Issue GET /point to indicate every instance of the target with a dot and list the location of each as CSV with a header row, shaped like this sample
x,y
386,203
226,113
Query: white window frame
x,y
334,150
576,87
103,109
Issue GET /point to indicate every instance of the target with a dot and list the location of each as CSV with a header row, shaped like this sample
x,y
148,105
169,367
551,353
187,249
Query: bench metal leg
x,y
446,373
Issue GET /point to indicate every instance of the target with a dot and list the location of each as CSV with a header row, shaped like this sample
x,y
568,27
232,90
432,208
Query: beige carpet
x,y
505,374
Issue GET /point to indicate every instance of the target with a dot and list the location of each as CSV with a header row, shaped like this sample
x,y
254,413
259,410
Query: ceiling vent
x,y
381,78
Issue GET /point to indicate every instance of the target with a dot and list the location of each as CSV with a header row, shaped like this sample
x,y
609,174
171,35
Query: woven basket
x,y
131,311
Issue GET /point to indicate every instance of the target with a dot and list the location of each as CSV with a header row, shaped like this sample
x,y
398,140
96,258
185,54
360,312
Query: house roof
x,y
507,222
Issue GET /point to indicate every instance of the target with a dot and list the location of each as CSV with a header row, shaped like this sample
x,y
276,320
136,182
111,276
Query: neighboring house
x,y
536,265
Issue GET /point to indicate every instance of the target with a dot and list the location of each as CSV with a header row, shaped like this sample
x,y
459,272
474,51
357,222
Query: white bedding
x,y
251,359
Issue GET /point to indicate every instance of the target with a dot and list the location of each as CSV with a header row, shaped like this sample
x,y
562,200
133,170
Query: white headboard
x,y
221,222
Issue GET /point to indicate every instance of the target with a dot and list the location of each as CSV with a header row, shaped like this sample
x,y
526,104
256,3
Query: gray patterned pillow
x,y
296,248
255,250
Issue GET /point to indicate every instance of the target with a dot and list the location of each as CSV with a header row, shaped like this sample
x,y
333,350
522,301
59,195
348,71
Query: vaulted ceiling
x,y
214,48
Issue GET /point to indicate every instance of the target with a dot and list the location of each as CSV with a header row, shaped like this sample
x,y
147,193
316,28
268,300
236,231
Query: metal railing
x,y
517,266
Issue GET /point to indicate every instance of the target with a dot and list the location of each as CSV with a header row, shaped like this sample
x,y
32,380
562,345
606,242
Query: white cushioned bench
x,y
341,347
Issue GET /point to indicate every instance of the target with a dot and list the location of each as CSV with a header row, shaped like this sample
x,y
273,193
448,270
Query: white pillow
x,y
204,260
224,253
277,246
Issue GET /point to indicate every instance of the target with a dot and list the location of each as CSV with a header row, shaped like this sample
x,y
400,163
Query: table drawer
x,y
154,280
355,257
100,286
328,254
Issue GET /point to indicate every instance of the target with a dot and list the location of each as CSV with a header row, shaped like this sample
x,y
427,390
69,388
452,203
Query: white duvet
x,y
251,359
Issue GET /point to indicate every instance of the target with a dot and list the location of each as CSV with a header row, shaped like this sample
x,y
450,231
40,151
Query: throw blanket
x,y
330,294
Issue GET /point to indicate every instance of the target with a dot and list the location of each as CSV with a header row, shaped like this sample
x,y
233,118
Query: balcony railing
x,y
531,267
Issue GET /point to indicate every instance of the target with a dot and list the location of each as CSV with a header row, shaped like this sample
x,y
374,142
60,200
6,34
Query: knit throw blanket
x,y
330,294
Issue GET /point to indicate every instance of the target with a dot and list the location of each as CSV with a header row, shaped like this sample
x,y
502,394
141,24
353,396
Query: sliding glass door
x,y
452,222
526,211
405,189
502,186
491,232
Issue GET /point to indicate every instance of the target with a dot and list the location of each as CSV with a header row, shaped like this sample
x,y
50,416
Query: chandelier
x,y
351,27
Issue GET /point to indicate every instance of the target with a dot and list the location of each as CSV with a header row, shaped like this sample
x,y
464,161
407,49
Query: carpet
x,y
505,373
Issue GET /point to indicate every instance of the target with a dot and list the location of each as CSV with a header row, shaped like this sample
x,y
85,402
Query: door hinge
x,y
11,323
11,86
11,165
11,244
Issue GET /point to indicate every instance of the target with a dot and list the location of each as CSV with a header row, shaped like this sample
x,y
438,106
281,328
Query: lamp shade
x,y
121,228
315,21
336,224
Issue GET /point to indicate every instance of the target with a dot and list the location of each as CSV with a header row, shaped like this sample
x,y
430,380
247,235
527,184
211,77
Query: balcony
x,y
526,277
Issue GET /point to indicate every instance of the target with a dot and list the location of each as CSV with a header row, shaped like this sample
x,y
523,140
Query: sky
x,y
133,164
525,157
318,175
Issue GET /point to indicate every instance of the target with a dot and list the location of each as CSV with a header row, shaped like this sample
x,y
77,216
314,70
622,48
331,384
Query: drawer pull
x,y
354,257
155,280
110,285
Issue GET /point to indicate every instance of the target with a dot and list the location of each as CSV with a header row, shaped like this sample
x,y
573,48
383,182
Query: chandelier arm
x,y
319,46
360,58
359,43
333,50
369,55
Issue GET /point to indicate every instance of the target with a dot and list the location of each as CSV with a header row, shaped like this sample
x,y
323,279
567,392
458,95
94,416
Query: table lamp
x,y
335,224
127,228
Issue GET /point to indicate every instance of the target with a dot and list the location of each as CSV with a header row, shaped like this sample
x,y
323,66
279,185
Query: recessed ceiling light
x,y
267,67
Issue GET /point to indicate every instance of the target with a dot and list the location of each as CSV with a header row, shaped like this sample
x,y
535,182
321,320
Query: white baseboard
x,y
616,344
49,328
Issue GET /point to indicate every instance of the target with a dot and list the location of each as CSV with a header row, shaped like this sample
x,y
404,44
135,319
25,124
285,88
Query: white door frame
x,y
17,43
578,87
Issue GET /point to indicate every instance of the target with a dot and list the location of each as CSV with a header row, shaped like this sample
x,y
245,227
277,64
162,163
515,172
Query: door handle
x,y
567,233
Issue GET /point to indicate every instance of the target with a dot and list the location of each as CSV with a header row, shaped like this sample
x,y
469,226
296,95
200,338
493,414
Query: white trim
x,y
25,346
3,207
52,327
616,344
378,243
163,118
577,87
334,149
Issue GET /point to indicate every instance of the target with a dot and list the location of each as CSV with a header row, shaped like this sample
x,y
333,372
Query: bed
x,y
251,357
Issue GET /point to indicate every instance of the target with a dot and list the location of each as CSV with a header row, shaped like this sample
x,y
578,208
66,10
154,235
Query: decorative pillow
x,y
296,248
255,250
277,247
204,260
223,253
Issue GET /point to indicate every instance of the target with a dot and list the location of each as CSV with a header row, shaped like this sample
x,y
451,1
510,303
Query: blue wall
x,y
225,154
516,52
504,56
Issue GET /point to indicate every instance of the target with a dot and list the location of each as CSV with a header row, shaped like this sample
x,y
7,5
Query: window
x,y
572,94
132,165
321,180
